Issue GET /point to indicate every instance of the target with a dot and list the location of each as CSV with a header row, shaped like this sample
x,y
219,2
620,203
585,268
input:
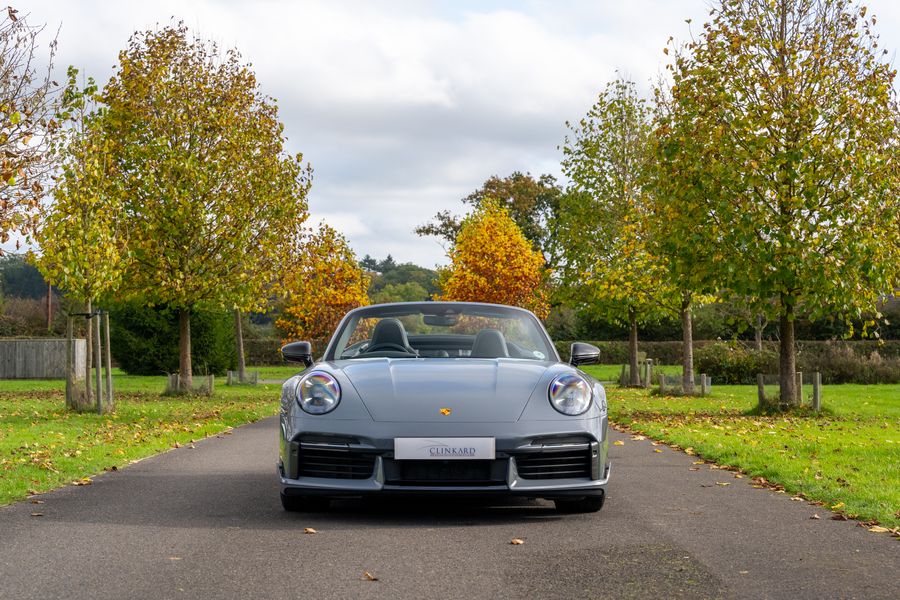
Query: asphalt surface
x,y
207,523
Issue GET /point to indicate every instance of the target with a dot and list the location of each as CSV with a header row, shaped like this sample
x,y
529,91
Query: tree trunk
x,y
787,359
758,331
239,339
186,376
635,378
49,308
88,354
687,345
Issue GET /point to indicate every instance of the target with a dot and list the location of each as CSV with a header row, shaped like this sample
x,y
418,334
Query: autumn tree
x,y
209,194
532,204
82,243
780,147
608,267
319,283
492,261
27,124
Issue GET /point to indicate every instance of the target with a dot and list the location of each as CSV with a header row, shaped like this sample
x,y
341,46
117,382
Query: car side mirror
x,y
584,354
300,352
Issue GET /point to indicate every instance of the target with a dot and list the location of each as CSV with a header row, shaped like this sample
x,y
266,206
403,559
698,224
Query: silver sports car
x,y
442,398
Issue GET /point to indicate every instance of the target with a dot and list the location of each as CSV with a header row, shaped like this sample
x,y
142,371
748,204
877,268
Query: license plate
x,y
479,448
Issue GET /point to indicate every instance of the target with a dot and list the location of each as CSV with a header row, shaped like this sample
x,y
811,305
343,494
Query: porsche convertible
x,y
445,398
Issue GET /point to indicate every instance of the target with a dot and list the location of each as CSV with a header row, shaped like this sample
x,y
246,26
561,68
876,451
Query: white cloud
x,y
405,107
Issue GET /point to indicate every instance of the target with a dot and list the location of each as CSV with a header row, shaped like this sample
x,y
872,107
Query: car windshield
x,y
440,330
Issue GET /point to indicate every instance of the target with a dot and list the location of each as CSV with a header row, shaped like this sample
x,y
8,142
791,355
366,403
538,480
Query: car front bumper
x,y
569,461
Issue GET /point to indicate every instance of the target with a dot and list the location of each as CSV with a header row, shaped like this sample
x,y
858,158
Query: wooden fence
x,y
38,358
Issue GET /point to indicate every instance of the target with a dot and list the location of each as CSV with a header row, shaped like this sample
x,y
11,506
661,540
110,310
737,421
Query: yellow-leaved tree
x,y
321,281
492,261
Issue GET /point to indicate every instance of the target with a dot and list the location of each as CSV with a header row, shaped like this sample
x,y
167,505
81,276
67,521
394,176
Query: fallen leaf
x,y
638,437
694,469
815,516
191,446
174,558
516,542
368,576
743,572
657,450
722,483
83,481
698,462
37,514
309,530
878,529
35,501
839,518
837,506
618,443
176,445
797,499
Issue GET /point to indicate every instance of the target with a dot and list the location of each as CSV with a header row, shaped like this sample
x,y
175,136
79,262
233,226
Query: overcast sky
x,y
404,107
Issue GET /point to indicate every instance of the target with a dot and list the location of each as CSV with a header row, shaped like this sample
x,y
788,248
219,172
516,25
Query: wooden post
x,y
817,391
110,405
704,389
99,363
70,404
230,380
211,386
799,388
761,389
662,383
647,382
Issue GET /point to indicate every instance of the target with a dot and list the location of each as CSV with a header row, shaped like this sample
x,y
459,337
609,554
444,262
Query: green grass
x,y
847,457
43,446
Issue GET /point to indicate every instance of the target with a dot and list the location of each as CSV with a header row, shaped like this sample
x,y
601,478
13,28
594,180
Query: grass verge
x,y
43,446
847,457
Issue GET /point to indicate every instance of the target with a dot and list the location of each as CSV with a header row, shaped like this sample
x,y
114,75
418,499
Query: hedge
x,y
866,361
852,361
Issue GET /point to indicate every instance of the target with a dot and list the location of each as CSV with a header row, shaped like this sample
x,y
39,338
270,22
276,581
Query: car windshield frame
x,y
401,309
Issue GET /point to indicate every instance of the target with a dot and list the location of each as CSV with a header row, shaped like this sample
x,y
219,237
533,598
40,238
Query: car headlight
x,y
570,394
318,393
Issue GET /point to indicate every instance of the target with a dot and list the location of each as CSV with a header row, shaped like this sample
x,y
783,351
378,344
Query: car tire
x,y
588,504
304,503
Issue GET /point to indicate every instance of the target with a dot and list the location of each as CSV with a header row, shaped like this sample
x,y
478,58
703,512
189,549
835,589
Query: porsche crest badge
x,y
446,411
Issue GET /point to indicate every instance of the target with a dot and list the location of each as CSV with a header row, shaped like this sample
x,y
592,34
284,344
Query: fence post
x,y
704,390
817,391
799,387
761,389
662,383
649,379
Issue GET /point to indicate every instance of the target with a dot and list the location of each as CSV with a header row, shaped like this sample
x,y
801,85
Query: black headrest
x,y
489,343
389,331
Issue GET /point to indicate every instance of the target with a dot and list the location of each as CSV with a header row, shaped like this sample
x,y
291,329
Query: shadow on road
x,y
250,500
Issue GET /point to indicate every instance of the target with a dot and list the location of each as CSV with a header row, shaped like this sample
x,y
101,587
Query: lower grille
x,y
336,464
554,465
445,472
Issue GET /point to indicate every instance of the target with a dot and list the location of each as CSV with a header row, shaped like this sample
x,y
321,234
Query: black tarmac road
x,y
207,523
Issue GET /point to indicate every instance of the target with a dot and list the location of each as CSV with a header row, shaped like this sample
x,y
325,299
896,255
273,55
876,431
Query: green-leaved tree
x,y
209,194
779,145
607,266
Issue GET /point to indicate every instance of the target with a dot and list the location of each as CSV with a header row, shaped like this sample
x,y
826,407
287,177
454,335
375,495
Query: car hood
x,y
416,390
